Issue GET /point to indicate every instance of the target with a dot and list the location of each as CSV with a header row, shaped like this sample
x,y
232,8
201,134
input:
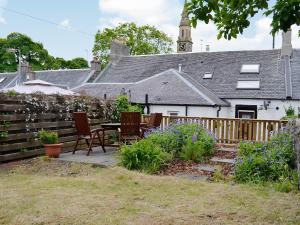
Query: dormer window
x,y
207,76
2,79
248,84
250,68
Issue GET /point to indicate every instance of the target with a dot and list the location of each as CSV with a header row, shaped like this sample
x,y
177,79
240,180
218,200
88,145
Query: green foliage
x,y
269,162
32,52
11,93
141,40
198,151
233,16
144,156
122,104
188,141
47,137
290,113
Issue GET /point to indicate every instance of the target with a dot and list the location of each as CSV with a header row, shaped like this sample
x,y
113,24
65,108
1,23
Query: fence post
x,y
294,128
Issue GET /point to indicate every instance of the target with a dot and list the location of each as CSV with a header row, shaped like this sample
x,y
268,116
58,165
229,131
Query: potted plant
x,y
50,141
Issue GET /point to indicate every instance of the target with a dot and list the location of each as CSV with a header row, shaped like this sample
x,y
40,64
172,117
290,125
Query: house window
x,y
250,68
173,113
2,79
207,76
248,84
246,111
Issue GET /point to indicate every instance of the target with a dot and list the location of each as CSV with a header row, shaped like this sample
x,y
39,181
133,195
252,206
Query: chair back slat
x,y
81,123
155,120
130,123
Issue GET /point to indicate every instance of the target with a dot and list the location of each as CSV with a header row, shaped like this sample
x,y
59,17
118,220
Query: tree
x,y
32,52
141,40
233,16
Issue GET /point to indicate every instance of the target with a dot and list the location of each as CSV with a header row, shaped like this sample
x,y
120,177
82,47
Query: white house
x,y
250,84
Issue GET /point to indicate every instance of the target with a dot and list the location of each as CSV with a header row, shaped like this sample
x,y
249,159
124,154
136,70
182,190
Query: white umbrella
x,y
41,86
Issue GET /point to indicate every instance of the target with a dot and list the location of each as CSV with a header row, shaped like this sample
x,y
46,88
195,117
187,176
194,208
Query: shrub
x,y
48,137
144,156
198,149
271,161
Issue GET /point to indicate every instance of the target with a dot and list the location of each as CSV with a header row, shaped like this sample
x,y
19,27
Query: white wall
x,y
229,112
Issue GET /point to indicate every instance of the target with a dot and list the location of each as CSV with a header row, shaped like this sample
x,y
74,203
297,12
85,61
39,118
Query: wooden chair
x,y
154,122
130,127
84,132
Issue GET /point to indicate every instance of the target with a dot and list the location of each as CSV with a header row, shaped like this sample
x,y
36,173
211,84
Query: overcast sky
x,y
66,40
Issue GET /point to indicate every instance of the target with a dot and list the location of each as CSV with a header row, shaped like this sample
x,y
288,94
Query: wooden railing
x,y
230,130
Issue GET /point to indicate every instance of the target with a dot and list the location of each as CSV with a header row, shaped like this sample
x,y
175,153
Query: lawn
x,y
52,192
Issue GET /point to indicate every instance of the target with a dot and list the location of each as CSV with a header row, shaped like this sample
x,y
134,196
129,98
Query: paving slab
x,y
222,149
207,168
96,157
221,160
192,176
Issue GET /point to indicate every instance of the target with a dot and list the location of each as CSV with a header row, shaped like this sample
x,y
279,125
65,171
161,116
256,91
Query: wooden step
x,y
227,149
221,160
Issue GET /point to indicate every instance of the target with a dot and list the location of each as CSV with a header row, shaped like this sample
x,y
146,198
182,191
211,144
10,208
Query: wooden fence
x,y
18,134
229,130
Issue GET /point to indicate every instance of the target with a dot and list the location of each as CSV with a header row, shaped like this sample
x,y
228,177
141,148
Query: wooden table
x,y
115,126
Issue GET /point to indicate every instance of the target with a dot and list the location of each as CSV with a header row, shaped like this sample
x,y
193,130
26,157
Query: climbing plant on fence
x,y
23,116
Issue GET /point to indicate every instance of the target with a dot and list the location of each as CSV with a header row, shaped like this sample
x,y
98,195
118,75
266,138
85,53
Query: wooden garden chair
x,y
130,127
154,122
84,132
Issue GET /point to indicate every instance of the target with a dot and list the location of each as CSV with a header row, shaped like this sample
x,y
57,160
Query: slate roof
x,y
9,77
64,78
225,67
168,87
68,78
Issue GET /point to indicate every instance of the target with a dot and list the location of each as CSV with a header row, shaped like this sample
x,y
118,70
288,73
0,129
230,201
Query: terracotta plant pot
x,y
53,151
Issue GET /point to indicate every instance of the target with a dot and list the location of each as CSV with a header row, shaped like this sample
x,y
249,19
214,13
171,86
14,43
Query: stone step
x,y
206,168
221,160
227,149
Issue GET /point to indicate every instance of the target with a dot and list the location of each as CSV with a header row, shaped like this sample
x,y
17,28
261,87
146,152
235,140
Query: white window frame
x,y
173,112
249,68
242,84
207,75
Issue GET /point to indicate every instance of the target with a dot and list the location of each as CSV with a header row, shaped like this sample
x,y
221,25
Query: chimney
x,y
24,69
96,64
30,75
287,48
118,49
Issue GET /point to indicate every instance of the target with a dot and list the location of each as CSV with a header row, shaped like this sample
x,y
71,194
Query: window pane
x,y
250,68
248,84
207,76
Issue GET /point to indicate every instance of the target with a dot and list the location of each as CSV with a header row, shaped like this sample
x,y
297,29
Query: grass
x,y
52,192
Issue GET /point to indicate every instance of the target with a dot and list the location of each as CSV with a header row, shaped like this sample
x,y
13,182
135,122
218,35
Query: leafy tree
x,y
233,16
32,52
141,40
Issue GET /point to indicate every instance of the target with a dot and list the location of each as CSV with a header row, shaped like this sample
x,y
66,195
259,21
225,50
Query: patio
x,y
96,157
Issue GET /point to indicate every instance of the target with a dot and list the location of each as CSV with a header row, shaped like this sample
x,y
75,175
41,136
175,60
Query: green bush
x,y
123,105
198,150
144,156
47,137
272,161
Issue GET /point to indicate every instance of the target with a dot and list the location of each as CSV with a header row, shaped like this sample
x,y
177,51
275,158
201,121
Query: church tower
x,y
184,42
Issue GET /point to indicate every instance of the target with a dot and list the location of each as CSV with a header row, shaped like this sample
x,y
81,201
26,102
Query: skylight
x,y
248,84
207,76
250,68
2,79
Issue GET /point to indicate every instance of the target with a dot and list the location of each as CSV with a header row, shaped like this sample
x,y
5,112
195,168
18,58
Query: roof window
x,y
248,84
2,79
250,68
207,76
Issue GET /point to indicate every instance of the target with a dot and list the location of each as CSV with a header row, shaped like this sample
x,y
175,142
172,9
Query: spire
x,y
185,21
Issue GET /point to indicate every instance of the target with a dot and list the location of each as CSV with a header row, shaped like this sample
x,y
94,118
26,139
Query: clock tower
x,y
184,42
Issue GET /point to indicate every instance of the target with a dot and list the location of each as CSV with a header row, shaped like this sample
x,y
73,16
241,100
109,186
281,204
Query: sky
x,y
74,24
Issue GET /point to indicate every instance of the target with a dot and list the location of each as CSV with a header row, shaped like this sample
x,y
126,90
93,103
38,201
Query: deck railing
x,y
230,130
